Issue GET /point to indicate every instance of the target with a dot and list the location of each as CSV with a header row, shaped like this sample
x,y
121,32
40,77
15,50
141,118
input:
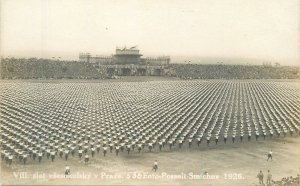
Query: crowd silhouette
x,y
34,68
217,71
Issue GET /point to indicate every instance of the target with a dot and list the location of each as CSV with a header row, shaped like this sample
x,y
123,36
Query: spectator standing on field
x,y
269,178
260,177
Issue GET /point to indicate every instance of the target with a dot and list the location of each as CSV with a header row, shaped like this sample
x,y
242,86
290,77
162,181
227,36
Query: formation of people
x,y
48,121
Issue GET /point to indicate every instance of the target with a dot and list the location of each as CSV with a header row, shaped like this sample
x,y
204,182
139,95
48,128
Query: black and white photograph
x,y
150,92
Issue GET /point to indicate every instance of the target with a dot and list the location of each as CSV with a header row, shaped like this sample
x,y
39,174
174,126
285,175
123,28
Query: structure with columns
x,y
128,62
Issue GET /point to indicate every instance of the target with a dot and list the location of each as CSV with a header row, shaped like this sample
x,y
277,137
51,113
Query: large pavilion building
x,y
128,62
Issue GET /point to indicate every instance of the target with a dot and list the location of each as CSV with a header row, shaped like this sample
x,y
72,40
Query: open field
x,y
62,116
245,159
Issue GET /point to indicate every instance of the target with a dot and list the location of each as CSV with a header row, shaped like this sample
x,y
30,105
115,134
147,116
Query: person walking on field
x,y
155,166
67,171
260,177
270,155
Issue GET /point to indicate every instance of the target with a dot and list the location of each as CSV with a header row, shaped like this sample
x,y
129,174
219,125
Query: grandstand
x,y
218,71
33,68
128,62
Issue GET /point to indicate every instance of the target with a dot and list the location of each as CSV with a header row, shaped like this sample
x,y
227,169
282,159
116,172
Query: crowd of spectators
x,y
33,68
287,181
196,71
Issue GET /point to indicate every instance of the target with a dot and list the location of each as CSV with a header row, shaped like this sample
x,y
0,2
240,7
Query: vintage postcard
x,y
147,92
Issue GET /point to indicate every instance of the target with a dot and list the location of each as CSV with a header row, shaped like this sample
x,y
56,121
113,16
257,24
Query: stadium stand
x,y
196,71
33,68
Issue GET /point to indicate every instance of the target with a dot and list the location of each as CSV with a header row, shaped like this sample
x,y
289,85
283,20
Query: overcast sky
x,y
266,29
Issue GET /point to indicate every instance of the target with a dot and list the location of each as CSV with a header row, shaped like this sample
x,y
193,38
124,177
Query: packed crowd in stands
x,y
196,71
33,68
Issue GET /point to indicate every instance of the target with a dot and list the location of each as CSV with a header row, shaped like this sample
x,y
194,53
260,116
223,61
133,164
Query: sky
x,y
261,29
